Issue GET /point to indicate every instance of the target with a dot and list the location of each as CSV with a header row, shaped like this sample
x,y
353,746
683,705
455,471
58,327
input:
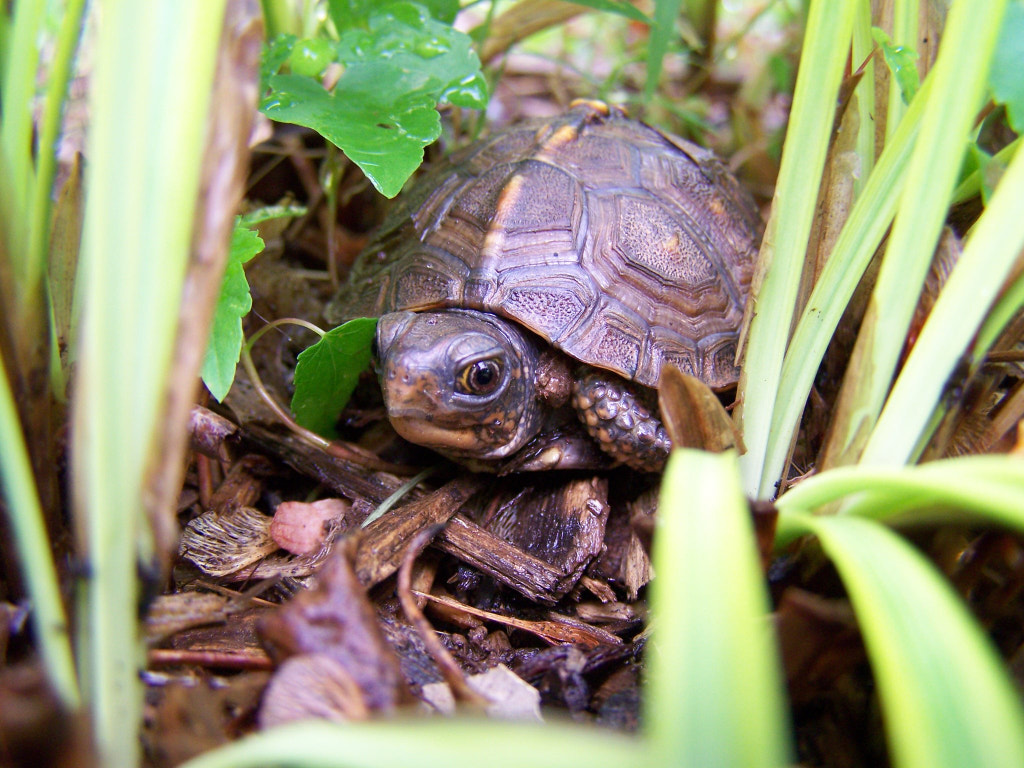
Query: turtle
x,y
532,288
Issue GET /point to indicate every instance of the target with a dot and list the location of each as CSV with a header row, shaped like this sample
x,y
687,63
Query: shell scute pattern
x,y
619,245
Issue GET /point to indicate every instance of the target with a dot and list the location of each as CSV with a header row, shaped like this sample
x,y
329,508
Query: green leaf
x,y
426,742
233,304
946,699
381,112
310,56
275,54
709,608
327,372
1005,78
348,13
901,61
442,10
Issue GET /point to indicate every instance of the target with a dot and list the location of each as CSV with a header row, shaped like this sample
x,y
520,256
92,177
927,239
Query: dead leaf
x,y
302,528
693,414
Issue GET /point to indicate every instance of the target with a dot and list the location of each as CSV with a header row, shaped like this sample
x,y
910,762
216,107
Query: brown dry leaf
x,y
335,619
238,546
65,239
302,528
312,686
693,414
818,641
510,697
221,545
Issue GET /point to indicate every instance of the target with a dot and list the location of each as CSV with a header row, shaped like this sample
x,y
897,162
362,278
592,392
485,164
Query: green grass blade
x,y
149,101
426,743
960,80
987,486
714,691
663,30
946,698
868,221
49,129
1003,311
987,261
904,33
16,171
826,45
21,502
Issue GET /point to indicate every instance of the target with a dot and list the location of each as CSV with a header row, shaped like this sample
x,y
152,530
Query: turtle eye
x,y
481,377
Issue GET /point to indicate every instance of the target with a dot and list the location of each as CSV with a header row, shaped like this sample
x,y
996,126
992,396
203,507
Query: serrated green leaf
x,y
1005,77
381,112
327,372
902,63
234,303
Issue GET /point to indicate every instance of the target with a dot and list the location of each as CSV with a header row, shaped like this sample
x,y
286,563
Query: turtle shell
x,y
622,246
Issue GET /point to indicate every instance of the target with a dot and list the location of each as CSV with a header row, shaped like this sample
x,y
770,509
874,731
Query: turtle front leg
x,y
622,419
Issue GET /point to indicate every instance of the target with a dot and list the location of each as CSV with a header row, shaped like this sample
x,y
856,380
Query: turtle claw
x,y
558,449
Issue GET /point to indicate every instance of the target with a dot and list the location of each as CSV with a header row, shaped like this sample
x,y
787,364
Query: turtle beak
x,y
389,328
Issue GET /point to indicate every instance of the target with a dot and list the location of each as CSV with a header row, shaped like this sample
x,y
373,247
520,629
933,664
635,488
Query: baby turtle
x,y
563,261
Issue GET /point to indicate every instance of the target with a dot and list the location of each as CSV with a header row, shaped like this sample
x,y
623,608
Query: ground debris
x,y
335,622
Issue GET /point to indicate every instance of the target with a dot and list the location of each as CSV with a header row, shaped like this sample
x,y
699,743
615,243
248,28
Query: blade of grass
x,y
826,44
904,33
32,544
989,486
1003,311
988,259
960,81
711,628
860,237
141,191
662,31
425,743
946,698
16,173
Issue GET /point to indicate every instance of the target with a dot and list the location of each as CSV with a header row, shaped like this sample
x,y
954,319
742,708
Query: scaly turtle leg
x,y
622,418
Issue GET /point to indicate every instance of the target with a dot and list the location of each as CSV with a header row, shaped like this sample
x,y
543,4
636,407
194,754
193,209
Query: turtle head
x,y
459,382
